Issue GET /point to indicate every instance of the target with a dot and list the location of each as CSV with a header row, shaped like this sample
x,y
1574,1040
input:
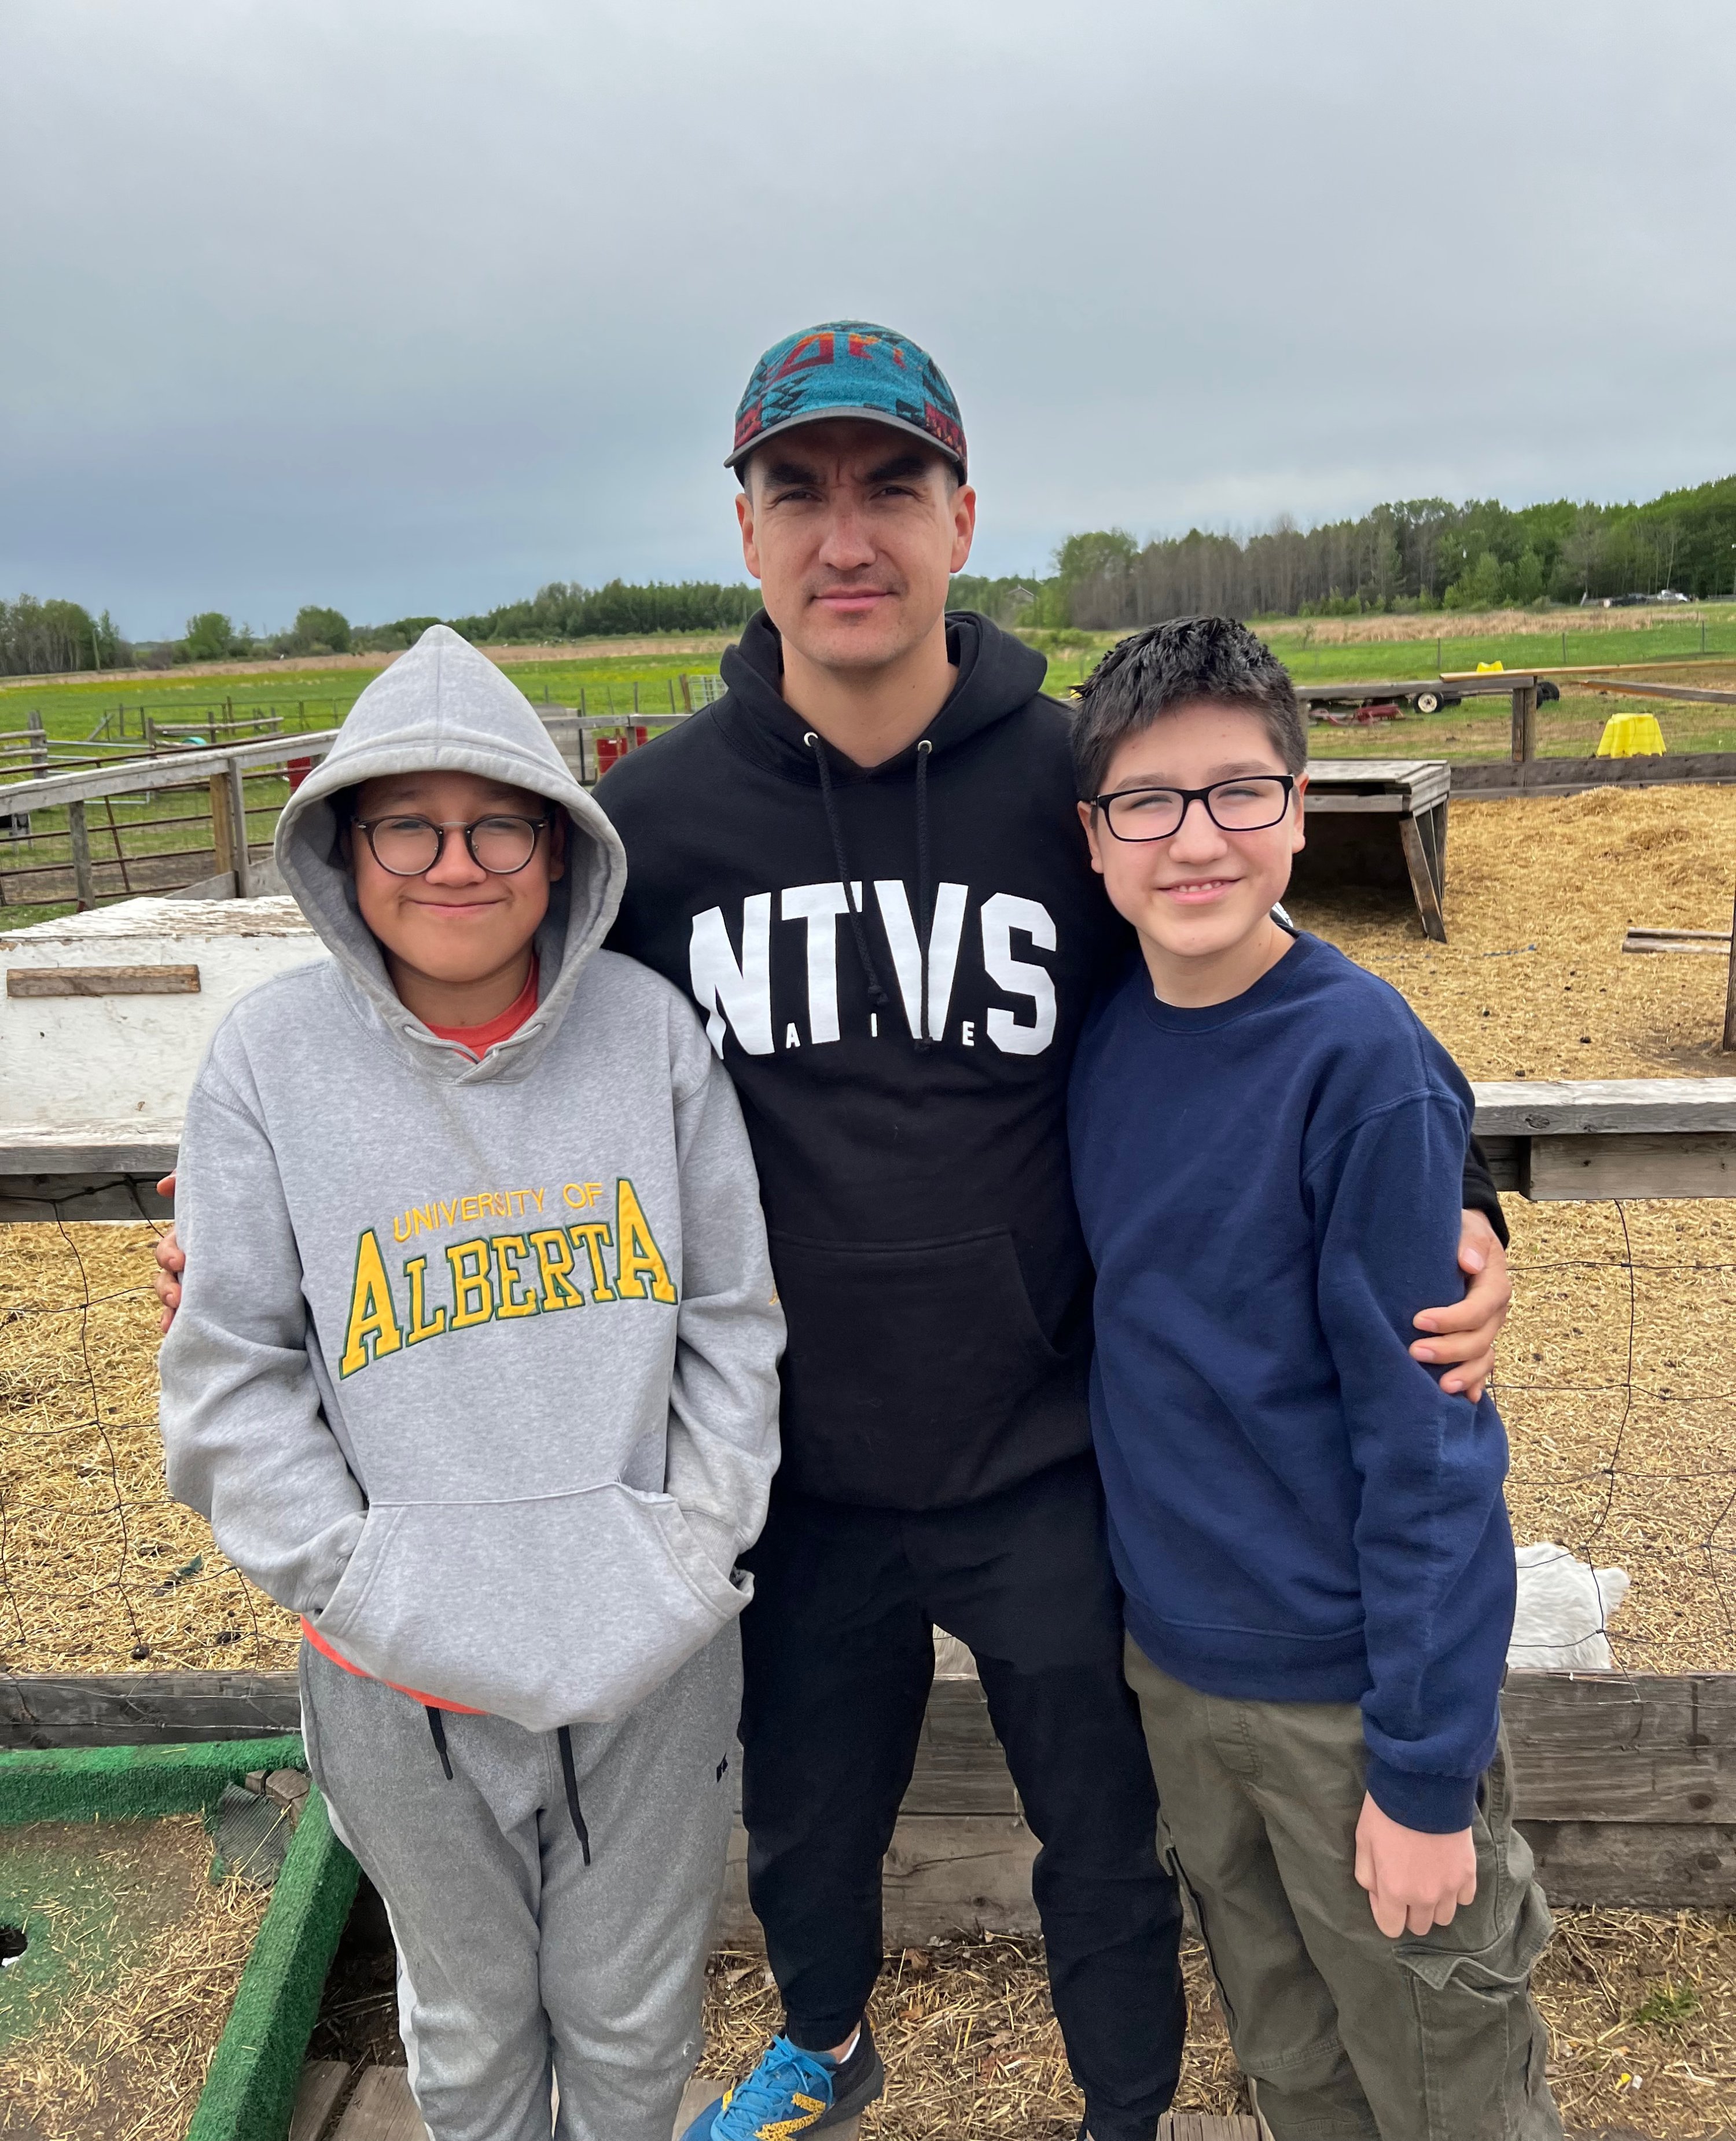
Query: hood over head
x,y
443,707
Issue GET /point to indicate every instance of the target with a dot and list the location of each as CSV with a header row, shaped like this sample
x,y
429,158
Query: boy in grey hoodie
x,y
476,1370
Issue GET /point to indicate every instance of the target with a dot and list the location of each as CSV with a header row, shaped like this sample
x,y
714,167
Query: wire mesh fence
x,y
1617,1381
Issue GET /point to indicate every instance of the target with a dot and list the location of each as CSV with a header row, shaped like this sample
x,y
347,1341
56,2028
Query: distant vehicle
x,y
1643,602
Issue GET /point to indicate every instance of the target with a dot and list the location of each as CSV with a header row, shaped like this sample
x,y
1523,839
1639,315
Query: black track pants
x,y
839,1655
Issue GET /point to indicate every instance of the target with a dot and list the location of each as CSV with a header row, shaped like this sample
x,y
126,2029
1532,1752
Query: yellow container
x,y
1630,736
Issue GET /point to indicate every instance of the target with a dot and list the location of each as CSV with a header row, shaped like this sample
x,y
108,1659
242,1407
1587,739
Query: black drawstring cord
x,y
437,1726
569,1776
923,749
876,989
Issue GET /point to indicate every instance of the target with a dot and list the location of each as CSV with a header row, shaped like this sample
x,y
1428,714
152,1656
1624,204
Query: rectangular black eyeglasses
x,y
1246,804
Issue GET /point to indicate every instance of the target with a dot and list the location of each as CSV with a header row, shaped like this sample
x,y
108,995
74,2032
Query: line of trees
x,y
564,610
1418,555
38,637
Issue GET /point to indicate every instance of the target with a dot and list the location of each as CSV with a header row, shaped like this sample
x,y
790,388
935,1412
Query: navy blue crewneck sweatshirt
x,y
1271,1190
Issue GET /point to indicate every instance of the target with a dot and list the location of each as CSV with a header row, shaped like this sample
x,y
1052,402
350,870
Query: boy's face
x,y
1201,892
457,922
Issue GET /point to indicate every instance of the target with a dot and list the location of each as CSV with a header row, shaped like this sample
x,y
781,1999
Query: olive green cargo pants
x,y
1345,2034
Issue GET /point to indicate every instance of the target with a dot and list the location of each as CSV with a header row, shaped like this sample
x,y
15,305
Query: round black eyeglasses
x,y
411,847
1246,805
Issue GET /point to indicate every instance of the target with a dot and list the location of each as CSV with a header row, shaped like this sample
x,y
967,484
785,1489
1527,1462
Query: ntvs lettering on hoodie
x,y
730,968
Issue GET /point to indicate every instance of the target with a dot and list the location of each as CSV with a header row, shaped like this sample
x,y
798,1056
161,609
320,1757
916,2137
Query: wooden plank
x,y
699,2094
123,1148
1525,721
1422,881
1556,775
1523,1107
315,2098
145,1709
102,982
1657,1866
1389,805
78,833
175,768
1686,1164
382,2109
1632,690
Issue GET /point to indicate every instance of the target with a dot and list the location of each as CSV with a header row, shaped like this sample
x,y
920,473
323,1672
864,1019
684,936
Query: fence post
x,y
83,878
222,827
1524,722
238,807
38,741
1730,1000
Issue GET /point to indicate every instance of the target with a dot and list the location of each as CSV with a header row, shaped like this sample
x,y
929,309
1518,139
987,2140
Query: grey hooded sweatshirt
x,y
476,1362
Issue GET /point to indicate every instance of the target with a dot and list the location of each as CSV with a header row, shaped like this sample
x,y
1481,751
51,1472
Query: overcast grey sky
x,y
409,306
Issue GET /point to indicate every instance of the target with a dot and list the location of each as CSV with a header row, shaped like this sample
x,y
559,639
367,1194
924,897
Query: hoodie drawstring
x,y
569,1776
924,749
876,988
437,1729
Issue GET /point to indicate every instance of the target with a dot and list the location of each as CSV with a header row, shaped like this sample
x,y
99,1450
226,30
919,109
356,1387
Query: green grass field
x,y
605,676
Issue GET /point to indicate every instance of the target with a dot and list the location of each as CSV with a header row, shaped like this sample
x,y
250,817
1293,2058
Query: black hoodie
x,y
914,1172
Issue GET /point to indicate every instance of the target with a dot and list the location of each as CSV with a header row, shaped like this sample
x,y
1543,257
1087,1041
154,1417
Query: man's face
x,y
456,923
854,531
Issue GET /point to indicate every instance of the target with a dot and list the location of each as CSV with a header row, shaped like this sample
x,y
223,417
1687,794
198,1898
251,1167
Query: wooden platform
x,y
1625,1784
1409,795
381,2109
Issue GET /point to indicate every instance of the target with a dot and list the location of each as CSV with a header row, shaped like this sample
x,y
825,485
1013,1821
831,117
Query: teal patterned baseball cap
x,y
848,368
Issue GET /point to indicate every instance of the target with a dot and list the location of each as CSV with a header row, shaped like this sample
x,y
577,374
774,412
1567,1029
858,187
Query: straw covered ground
x,y
109,2019
1629,1461
1641,2009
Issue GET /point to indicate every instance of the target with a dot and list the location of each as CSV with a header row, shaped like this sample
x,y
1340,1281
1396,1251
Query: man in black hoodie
x,y
865,863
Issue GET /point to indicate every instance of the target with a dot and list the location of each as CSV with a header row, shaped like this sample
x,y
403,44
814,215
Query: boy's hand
x,y
1465,1330
171,1263
1415,1880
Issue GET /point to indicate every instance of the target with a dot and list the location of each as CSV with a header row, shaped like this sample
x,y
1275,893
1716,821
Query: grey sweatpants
x,y
1346,2036
519,1963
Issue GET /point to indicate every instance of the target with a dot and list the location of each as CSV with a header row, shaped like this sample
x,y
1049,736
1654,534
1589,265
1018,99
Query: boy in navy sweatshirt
x,y
1268,1150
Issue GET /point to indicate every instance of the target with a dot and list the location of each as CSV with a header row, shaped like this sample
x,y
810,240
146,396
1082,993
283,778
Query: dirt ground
x,y
109,2019
1641,2009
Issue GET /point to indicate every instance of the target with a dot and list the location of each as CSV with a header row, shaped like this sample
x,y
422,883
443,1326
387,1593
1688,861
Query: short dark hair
x,y
1166,667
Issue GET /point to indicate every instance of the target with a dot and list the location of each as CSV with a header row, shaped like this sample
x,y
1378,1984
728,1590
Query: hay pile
x,y
100,1571
972,2049
109,2020
1631,1465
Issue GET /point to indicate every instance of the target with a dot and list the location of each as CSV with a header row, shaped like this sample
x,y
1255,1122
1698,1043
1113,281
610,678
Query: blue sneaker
x,y
793,2092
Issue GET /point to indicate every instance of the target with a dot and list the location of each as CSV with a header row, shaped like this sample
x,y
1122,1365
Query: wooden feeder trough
x,y
127,1946
104,1019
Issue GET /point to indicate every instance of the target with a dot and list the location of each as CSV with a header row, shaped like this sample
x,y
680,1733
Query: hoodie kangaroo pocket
x,y
902,1357
558,1610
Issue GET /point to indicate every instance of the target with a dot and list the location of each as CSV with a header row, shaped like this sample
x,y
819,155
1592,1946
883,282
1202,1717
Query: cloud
x,y
409,307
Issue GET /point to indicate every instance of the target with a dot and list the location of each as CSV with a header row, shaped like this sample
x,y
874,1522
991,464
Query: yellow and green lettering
x,y
554,1265
473,1297
508,1249
420,1327
372,1315
639,1257
594,1235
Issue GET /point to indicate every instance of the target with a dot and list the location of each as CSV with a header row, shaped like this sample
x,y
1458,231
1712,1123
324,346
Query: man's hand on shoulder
x,y
170,1262
1415,1880
1463,1333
